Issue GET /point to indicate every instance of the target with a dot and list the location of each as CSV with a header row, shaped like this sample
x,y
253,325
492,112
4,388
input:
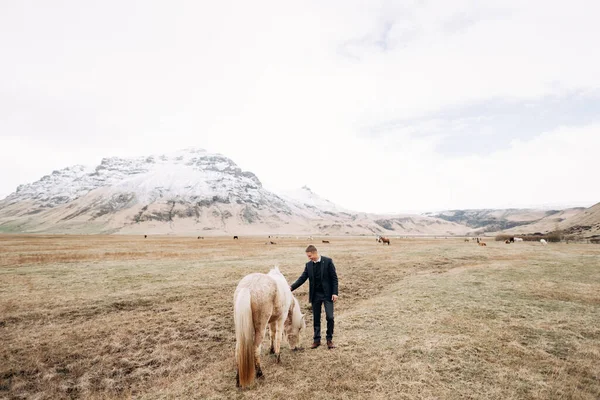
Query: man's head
x,y
312,253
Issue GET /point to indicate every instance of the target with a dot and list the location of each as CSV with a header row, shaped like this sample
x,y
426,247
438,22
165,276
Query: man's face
x,y
313,256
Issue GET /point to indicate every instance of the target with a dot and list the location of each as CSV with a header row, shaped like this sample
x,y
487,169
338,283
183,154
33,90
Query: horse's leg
x,y
272,333
259,336
278,337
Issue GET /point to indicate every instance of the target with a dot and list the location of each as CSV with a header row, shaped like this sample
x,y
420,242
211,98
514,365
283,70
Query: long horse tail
x,y
244,336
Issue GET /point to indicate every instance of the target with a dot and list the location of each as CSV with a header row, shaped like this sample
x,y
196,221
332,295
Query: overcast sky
x,y
380,106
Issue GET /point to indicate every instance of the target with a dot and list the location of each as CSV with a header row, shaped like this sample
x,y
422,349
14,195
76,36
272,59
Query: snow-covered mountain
x,y
190,173
191,191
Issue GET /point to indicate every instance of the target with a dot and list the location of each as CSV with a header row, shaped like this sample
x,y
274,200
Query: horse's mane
x,y
276,273
297,313
275,270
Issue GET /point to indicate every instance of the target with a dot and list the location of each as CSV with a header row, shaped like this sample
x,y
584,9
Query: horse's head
x,y
294,324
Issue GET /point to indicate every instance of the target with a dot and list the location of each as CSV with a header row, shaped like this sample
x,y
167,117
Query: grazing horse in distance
x,y
325,241
384,240
235,237
261,300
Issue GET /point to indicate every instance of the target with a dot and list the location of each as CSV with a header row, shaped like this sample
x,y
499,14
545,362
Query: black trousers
x,y
318,299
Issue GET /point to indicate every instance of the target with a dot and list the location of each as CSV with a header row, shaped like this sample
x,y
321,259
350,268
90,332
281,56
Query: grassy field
x,y
111,317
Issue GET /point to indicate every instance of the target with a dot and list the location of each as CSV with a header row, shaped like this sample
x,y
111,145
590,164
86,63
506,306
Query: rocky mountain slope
x,y
190,191
491,220
582,222
585,223
578,220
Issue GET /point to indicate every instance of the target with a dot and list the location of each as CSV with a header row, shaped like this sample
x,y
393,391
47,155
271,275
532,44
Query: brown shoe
x,y
330,345
315,345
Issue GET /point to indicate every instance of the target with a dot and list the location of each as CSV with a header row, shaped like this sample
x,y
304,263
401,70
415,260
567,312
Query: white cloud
x,y
286,90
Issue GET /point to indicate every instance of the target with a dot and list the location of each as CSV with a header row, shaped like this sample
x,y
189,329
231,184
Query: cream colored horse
x,y
261,300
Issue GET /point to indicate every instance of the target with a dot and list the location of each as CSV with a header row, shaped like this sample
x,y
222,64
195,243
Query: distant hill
x,y
585,223
493,220
578,220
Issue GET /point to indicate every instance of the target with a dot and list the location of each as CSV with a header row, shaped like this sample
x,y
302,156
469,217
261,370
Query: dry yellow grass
x,y
111,317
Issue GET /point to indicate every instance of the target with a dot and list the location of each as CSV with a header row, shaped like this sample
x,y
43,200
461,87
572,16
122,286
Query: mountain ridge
x,y
190,191
516,221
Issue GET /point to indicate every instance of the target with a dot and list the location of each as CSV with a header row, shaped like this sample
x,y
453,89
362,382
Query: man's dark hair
x,y
311,249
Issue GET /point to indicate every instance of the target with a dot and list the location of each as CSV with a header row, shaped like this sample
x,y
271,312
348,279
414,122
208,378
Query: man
x,y
322,289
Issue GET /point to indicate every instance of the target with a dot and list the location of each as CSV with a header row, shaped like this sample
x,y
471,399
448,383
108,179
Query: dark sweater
x,y
318,280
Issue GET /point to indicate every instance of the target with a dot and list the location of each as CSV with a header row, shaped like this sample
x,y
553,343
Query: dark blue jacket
x,y
328,277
